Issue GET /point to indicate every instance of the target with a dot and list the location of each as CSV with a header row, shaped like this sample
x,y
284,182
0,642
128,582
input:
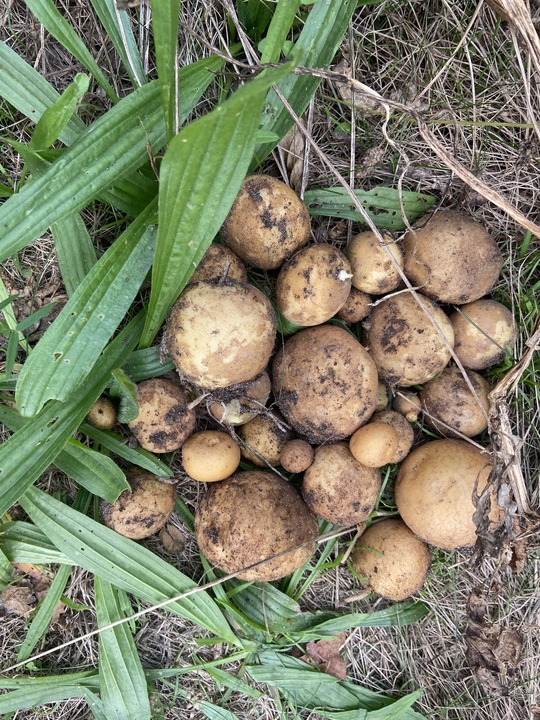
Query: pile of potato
x,y
315,404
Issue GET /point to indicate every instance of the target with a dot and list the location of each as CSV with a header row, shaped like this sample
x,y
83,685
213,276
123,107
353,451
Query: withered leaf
x,y
325,653
18,600
172,539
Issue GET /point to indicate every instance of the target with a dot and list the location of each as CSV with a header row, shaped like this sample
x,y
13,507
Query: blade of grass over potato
x,y
123,562
123,686
316,47
280,26
165,17
30,450
201,173
50,17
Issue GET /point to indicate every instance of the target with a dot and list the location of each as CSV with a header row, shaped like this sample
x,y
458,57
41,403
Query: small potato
x,y
102,414
313,285
374,444
403,429
164,421
373,270
296,456
266,223
210,455
143,511
391,559
263,440
219,262
338,488
245,404
356,307
408,404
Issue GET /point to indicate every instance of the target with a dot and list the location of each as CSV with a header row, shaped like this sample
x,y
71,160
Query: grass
x,y
467,83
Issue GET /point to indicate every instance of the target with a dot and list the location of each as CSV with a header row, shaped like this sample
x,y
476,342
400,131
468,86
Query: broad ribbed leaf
x,y
86,678
124,390
280,26
122,562
201,174
22,542
70,347
123,685
147,363
213,712
55,118
31,696
6,569
30,450
49,16
165,29
74,250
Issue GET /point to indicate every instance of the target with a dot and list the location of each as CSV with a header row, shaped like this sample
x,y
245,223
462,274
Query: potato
x,y
407,348
263,439
253,516
266,223
374,444
408,404
143,511
434,492
313,285
245,403
372,267
403,428
102,415
391,560
296,456
219,262
164,421
483,330
449,399
453,258
356,307
210,455
325,383
338,488
220,333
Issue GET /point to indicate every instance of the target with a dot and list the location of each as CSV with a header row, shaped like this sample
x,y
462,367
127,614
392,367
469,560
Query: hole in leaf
x,y
57,356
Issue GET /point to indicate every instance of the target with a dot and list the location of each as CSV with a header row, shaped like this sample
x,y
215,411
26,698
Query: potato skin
x,y
266,223
325,383
218,262
393,560
338,488
405,345
263,440
102,415
373,269
143,511
210,456
164,421
403,428
252,516
220,333
434,492
452,257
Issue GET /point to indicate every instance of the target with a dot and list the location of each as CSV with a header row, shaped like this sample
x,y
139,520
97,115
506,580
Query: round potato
x,y
434,491
325,383
313,285
374,444
407,348
102,415
407,404
210,455
296,456
373,269
403,428
145,509
453,258
164,421
338,488
245,404
251,517
356,307
266,223
220,333
219,262
391,559
263,439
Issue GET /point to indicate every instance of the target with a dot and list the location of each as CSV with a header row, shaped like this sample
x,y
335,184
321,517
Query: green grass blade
x,y
123,685
85,678
70,347
43,617
74,250
49,16
122,562
280,26
165,28
55,118
201,174
29,93
118,29
213,712
316,47
23,542
31,697
30,450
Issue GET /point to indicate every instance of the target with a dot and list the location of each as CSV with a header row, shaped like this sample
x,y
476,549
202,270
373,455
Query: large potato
x,y
453,258
325,383
220,333
253,516
434,492
407,348
266,223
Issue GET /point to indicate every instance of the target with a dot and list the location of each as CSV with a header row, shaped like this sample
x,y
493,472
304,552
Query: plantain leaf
x,y
280,26
22,542
165,29
122,562
6,570
85,678
30,450
147,363
55,118
124,390
31,696
49,16
74,250
201,174
123,686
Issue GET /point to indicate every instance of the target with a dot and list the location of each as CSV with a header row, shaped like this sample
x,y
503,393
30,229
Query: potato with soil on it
x,y
267,222
251,517
374,266
220,333
452,258
407,404
484,332
245,401
405,345
313,285
143,511
325,383
450,407
102,415
296,456
219,262
210,456
338,488
391,560
356,307
403,429
434,492
263,439
165,419
374,444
